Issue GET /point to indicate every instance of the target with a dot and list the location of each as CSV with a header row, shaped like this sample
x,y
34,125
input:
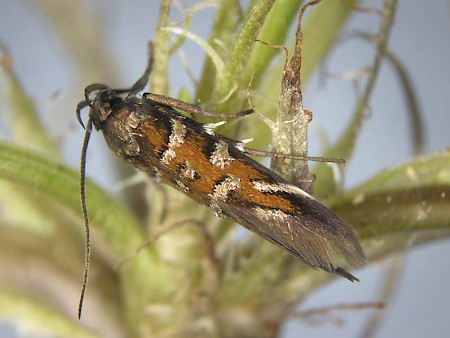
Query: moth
x,y
151,134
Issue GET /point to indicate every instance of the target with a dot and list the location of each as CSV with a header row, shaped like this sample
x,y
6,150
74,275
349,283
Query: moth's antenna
x,y
140,84
80,107
87,240
136,88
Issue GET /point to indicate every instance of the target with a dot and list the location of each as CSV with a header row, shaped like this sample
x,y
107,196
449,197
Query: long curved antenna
x,y
80,107
92,88
87,102
87,240
140,84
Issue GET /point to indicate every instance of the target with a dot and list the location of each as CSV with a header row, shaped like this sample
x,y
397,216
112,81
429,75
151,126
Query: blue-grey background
x,y
420,38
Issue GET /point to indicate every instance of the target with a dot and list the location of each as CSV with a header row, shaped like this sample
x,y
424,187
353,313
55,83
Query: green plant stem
x,y
160,80
229,80
226,21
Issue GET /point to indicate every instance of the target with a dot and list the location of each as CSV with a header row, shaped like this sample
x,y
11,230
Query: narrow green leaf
x,y
37,318
409,198
23,121
60,183
274,31
82,33
226,20
143,278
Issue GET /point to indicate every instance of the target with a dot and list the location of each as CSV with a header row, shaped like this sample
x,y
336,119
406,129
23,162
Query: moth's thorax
x,y
118,128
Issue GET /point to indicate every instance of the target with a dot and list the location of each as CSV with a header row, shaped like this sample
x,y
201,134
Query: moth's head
x,y
102,106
